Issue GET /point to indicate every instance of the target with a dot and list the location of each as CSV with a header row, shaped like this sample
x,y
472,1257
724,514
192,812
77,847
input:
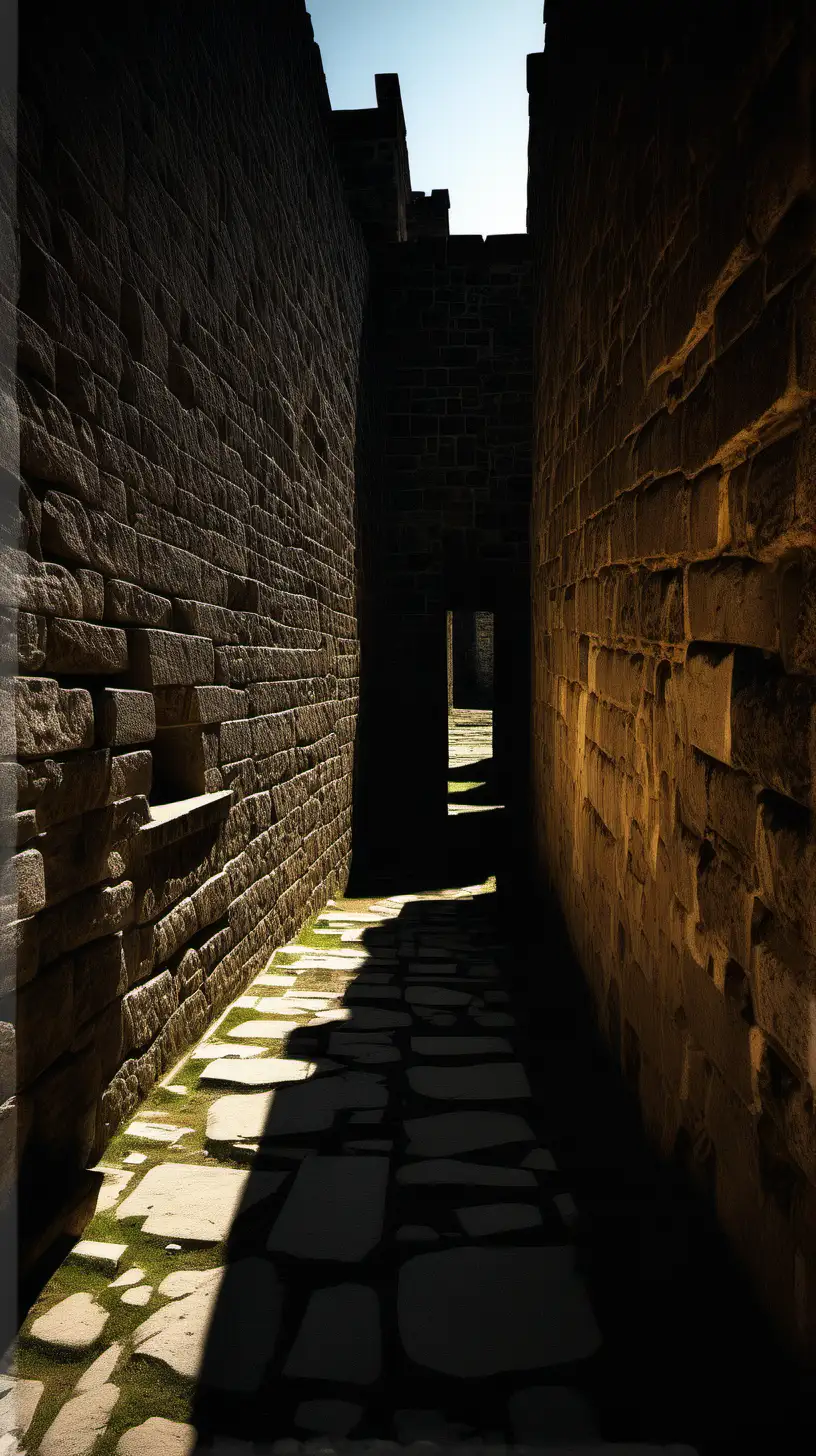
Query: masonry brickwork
x,y
216,504
453,328
673,534
190,319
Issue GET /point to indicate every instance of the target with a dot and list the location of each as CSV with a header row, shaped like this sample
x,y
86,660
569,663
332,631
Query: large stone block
x,y
734,601
26,884
125,717
161,659
700,692
84,647
50,719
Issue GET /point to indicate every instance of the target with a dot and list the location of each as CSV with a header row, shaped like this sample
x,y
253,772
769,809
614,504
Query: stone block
x,y
38,586
734,601
701,693
732,808
92,587
130,774
50,719
85,917
146,1009
84,647
773,731
132,606
124,717
663,519
726,899
717,1026
45,1021
786,865
88,537
27,884
617,676
160,659
783,985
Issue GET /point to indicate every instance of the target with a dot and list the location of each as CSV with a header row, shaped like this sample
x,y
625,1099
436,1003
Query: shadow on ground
x,y
684,1353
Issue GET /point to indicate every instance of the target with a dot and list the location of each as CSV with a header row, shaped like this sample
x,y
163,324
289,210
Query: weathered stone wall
x,y
453,328
191,307
673,535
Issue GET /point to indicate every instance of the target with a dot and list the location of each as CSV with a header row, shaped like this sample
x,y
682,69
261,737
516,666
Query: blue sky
x,y
462,70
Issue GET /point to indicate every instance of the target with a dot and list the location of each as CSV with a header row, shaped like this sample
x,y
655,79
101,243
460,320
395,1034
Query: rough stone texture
x,y
187,538
673,530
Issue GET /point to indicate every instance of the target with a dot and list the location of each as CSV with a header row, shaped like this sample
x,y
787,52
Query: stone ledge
x,y
182,817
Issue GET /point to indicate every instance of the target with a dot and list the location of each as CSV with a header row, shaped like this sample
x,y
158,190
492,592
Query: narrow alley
x,y
348,1213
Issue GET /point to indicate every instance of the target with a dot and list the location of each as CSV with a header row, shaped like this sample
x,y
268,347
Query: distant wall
x,y
453,328
472,660
673,549
193,291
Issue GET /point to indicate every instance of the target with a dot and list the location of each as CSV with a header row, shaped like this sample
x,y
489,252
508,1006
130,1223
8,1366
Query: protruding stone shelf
x,y
182,817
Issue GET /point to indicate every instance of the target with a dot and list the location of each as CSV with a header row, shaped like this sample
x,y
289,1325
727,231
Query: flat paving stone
x,y
464,1132
339,1338
475,1313
115,1182
498,1218
124,1281
416,1233
470,1084
157,1132
224,1334
305,1107
80,1422
293,1005
493,1018
100,1371
98,1254
451,1170
267,978
330,1417
187,1201
211,1051
257,1071
360,1050
436,996
263,1030
460,1046
75,1324
542,1160
188,1281
373,991
334,1209
139,1296
547,1412
158,1436
18,1404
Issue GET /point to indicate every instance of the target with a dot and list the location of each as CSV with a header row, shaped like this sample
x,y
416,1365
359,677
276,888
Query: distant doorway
x,y
471,770
470,660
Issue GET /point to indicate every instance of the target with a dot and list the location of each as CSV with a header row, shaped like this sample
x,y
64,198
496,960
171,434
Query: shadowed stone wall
x,y
673,536
192,299
453,328
472,660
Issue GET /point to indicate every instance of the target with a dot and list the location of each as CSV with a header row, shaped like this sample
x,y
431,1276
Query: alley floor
x,y
367,1209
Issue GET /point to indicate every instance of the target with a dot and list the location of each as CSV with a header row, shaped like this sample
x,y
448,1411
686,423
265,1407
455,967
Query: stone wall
x,y
453,329
192,298
674,590
472,664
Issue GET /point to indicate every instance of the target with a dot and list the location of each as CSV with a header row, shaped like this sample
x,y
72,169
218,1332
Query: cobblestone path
x,y
337,1222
